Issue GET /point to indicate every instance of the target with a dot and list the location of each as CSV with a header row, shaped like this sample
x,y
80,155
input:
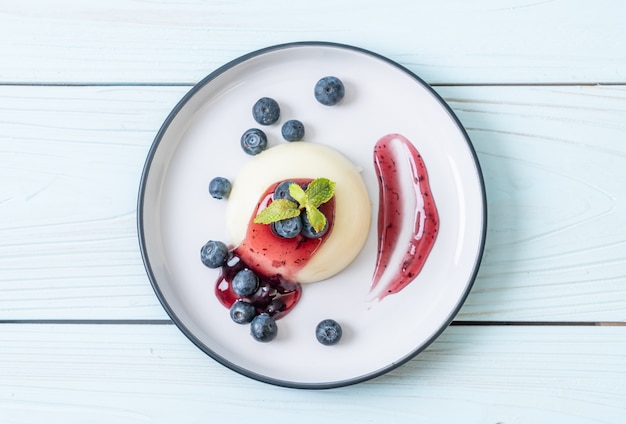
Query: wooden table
x,y
539,86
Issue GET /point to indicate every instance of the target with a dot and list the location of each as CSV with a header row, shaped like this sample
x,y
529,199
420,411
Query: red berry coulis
x,y
275,260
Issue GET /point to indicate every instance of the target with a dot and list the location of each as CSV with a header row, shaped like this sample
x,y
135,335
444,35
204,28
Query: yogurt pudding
x,y
282,264
302,160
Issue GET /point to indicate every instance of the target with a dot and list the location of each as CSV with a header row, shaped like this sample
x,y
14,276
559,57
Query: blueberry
x,y
328,332
242,312
293,130
282,191
245,282
253,141
329,91
287,228
263,328
214,254
266,111
220,187
308,230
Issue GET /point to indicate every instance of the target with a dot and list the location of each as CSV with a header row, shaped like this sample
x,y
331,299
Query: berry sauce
x,y
404,243
275,260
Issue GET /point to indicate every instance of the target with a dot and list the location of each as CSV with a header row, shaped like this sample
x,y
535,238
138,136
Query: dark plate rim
x,y
155,285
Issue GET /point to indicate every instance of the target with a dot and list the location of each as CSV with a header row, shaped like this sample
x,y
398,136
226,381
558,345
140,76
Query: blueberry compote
x,y
275,260
408,221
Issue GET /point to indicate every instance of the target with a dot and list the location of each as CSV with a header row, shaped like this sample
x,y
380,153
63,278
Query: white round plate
x,y
200,140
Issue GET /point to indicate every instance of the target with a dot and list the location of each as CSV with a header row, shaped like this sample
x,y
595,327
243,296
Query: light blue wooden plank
x,y
511,41
553,159
70,164
129,374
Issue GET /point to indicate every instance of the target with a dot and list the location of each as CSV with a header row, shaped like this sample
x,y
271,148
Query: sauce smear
x,y
408,221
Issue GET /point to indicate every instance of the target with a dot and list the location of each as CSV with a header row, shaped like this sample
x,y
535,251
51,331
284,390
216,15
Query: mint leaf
x,y
320,191
298,194
277,210
316,218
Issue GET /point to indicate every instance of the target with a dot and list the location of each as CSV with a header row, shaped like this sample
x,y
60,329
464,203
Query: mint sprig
x,y
318,192
276,211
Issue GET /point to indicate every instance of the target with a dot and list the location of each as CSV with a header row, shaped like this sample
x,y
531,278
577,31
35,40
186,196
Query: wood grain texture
x,y
71,160
540,87
488,41
130,374
553,160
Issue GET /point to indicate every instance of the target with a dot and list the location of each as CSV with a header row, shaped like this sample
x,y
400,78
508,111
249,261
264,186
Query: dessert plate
x,y
200,140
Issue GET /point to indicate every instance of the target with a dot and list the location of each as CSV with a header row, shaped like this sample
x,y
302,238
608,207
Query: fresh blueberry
x,y
308,230
214,254
242,312
293,130
253,141
287,228
329,91
328,332
245,282
266,111
263,328
220,187
282,191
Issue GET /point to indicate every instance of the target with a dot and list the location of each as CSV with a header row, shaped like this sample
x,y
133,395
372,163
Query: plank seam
x,y
191,84
458,323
